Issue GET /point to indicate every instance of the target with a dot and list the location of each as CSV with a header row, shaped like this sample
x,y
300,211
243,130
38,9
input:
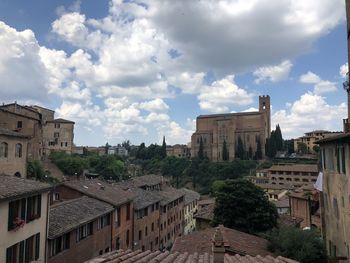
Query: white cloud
x,y
273,73
221,94
309,112
154,105
320,86
189,83
343,70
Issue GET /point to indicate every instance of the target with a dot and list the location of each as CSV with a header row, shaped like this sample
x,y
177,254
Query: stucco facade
x,y
11,239
13,153
250,127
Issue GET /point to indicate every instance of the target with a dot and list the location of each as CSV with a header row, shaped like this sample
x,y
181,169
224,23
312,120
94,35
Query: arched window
x,y
3,150
18,150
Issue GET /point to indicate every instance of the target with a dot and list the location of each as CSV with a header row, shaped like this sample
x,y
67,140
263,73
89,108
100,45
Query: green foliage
x,y
258,154
216,185
316,148
35,170
163,153
69,164
302,148
150,152
240,152
109,168
243,206
274,143
278,138
225,153
201,150
175,167
289,146
126,144
305,246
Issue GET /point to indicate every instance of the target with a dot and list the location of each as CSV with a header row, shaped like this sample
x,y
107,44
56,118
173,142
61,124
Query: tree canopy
x,y
243,206
302,245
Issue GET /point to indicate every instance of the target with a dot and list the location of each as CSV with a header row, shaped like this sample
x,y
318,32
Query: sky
x,y
139,70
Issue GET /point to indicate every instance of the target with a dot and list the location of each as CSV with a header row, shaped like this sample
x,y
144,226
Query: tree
x,y
271,147
242,205
316,148
126,145
302,245
225,154
201,150
258,154
240,149
302,148
35,170
289,146
278,138
163,148
107,146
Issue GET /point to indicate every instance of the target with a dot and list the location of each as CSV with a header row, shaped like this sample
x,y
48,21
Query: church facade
x,y
249,127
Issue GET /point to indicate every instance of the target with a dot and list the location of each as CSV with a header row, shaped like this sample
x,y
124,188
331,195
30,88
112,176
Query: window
x,y
152,227
128,211
61,144
117,216
56,134
117,243
103,221
4,150
84,231
329,164
57,125
140,234
25,251
127,238
23,211
146,231
18,152
336,208
19,124
59,244
66,144
341,160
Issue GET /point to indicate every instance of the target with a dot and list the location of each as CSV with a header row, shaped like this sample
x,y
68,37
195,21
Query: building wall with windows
x,y
250,127
58,135
13,153
21,230
336,195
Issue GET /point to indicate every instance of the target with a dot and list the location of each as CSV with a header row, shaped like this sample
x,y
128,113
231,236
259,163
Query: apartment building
x,y
79,229
13,153
310,138
121,200
190,208
24,214
294,174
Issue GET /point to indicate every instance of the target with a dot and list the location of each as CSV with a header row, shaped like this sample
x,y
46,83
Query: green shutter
x,y
37,246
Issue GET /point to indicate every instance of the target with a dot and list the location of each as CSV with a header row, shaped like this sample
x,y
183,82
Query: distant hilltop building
x,y
249,127
310,138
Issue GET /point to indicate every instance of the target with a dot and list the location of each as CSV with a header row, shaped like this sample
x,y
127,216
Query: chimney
x,y
218,246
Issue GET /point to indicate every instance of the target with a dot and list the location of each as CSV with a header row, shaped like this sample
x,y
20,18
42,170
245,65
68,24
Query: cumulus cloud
x,y
343,70
320,86
309,112
221,94
154,105
273,73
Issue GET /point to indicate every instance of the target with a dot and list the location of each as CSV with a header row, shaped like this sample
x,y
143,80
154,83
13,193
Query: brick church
x,y
214,129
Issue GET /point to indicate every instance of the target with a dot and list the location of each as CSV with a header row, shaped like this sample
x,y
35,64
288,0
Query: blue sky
x,y
139,70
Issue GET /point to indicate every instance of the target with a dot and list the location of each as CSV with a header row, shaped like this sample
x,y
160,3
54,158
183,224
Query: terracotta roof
x,y
12,187
295,168
10,133
206,201
304,191
236,242
206,212
340,137
169,194
62,120
148,180
138,256
276,186
282,203
190,195
288,220
101,190
229,115
68,215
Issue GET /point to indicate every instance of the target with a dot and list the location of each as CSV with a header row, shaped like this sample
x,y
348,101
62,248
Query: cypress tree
x,y
225,154
200,151
163,148
240,148
278,138
258,154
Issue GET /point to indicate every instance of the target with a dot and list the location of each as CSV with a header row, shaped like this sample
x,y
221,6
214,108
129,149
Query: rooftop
x,y
190,195
228,115
138,256
68,215
295,168
287,220
12,187
236,242
345,137
148,180
7,132
112,194
60,120
206,212
282,203
169,194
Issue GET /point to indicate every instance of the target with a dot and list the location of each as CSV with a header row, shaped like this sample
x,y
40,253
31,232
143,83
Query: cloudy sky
x,y
141,69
